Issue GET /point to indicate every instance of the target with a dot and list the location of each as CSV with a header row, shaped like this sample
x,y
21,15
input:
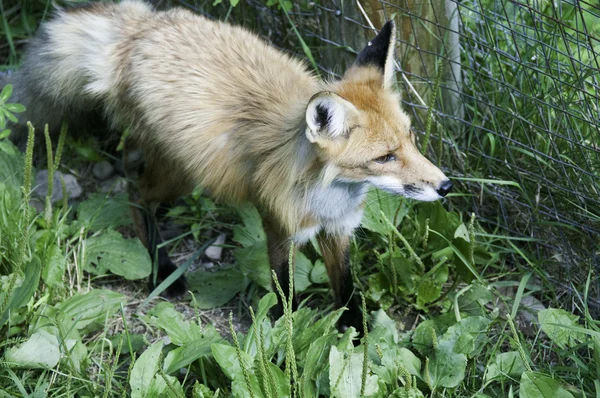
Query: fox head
x,y
363,134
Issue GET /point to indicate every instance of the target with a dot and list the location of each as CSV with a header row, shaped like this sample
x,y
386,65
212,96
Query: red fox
x,y
209,104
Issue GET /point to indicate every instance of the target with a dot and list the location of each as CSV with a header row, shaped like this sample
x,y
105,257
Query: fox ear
x,y
379,52
328,116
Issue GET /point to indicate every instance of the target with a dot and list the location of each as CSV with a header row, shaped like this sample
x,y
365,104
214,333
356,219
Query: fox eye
x,y
390,157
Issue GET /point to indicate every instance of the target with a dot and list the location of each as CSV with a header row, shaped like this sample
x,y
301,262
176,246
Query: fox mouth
x,y
412,191
425,194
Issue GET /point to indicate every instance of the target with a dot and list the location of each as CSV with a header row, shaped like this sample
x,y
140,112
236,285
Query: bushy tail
x,y
72,65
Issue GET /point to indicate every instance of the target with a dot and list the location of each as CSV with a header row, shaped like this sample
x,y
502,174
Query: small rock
x,y
214,252
41,189
208,265
114,184
102,170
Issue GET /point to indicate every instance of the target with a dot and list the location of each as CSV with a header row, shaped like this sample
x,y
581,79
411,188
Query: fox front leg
x,y
143,203
279,245
336,254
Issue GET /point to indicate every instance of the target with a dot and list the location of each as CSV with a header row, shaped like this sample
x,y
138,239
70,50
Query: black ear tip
x,y
376,52
387,30
389,26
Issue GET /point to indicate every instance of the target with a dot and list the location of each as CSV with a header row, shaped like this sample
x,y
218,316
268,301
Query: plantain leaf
x,y
111,252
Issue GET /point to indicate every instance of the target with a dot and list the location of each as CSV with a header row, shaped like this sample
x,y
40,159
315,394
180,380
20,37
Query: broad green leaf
x,y
213,289
190,351
383,328
302,270
281,381
267,302
393,206
4,133
109,251
317,361
172,322
537,385
309,325
407,359
561,326
467,336
407,273
253,261
78,353
461,268
446,368
506,365
430,286
345,375
23,293
462,232
318,273
40,351
51,320
395,358
378,286
473,301
174,389
100,211
89,311
251,231
54,266
142,374
424,335
440,220
226,357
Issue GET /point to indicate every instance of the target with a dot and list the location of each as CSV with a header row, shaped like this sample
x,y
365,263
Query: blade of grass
x,y
305,47
519,295
177,273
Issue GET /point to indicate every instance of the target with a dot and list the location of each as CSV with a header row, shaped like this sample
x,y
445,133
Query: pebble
x,y
114,184
102,170
41,186
215,251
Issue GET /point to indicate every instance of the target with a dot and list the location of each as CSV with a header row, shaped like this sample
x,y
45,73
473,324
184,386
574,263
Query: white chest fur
x,y
336,207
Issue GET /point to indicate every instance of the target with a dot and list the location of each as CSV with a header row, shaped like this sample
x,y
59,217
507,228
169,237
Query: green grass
x,y
456,307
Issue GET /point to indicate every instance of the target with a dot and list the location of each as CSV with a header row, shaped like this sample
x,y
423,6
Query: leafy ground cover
x,y
446,318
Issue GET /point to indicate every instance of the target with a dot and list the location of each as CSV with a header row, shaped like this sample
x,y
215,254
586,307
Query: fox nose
x,y
444,188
